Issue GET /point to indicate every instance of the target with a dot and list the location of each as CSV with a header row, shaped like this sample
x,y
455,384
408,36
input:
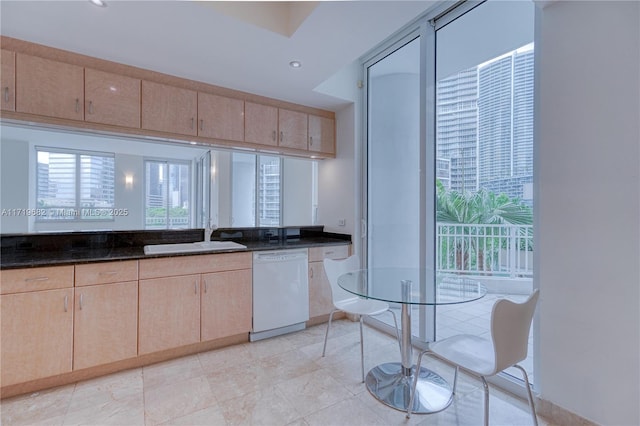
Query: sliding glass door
x,y
484,157
397,190
448,162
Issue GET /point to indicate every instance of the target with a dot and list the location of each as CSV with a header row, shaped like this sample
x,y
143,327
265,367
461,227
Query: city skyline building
x,y
485,127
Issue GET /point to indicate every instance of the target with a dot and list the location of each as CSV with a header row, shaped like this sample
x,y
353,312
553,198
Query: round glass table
x,y
391,382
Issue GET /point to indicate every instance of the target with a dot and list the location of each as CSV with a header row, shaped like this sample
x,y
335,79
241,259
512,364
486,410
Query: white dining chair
x,y
510,325
350,303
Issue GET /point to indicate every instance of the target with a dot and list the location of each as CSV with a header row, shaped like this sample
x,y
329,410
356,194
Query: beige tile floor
x,y
279,381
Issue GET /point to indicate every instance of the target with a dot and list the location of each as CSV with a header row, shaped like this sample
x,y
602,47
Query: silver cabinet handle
x,y
310,140
6,94
77,105
108,273
90,107
201,124
36,279
66,303
311,272
273,136
81,299
281,136
205,286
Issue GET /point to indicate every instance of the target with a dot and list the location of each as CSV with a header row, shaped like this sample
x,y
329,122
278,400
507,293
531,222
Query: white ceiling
x,y
218,42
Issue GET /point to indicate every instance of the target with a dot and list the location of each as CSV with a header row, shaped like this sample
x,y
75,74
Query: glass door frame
x,y
424,27
421,30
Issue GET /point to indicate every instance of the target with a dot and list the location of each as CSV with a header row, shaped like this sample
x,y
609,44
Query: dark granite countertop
x,y
34,250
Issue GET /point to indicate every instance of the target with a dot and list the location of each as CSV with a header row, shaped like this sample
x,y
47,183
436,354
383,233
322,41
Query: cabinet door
x,y
322,135
293,129
50,88
37,335
169,313
226,304
320,301
169,109
106,324
8,80
111,98
260,124
220,117
106,272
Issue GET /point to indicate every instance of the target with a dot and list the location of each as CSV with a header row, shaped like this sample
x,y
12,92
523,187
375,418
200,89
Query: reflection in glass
x,y
167,200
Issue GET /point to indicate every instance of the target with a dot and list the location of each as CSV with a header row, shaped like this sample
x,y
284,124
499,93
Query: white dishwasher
x,y
280,292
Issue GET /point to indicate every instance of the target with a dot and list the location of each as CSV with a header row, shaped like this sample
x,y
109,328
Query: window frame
x,y
190,196
74,214
256,191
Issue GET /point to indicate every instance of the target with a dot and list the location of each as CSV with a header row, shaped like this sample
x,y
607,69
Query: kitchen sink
x,y
192,247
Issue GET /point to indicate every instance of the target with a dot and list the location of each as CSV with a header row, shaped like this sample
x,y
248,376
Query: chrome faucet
x,y
209,228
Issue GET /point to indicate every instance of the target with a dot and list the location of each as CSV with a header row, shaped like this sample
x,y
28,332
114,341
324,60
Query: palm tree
x,y
478,208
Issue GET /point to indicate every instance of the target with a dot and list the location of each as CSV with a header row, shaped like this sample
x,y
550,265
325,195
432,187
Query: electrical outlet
x,y
342,222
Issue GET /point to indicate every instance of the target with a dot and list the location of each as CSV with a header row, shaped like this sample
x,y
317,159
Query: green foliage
x,y
479,248
162,212
482,207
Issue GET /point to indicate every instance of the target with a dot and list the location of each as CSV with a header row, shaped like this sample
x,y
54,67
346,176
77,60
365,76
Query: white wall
x,y
339,178
14,188
587,183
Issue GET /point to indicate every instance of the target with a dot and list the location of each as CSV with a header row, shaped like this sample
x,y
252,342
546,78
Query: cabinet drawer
x,y
317,254
184,265
35,279
107,272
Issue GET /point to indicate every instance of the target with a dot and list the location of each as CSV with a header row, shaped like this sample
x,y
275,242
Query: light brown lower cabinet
x,y
226,304
169,313
320,300
105,326
37,335
49,327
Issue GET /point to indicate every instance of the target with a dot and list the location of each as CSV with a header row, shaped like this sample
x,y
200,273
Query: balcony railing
x,y
486,250
161,222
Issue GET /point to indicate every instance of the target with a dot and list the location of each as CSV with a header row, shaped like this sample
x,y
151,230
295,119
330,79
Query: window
x,y
167,195
269,193
73,185
257,190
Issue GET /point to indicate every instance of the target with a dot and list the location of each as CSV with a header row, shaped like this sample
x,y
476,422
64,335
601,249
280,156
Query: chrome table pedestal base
x,y
390,384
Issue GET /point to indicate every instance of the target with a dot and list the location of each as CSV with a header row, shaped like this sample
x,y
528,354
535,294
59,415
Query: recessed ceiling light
x,y
99,3
295,64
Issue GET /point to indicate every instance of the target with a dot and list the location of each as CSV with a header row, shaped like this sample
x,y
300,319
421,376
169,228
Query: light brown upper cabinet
x,y
220,117
8,80
169,109
292,126
111,99
322,135
260,124
50,88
